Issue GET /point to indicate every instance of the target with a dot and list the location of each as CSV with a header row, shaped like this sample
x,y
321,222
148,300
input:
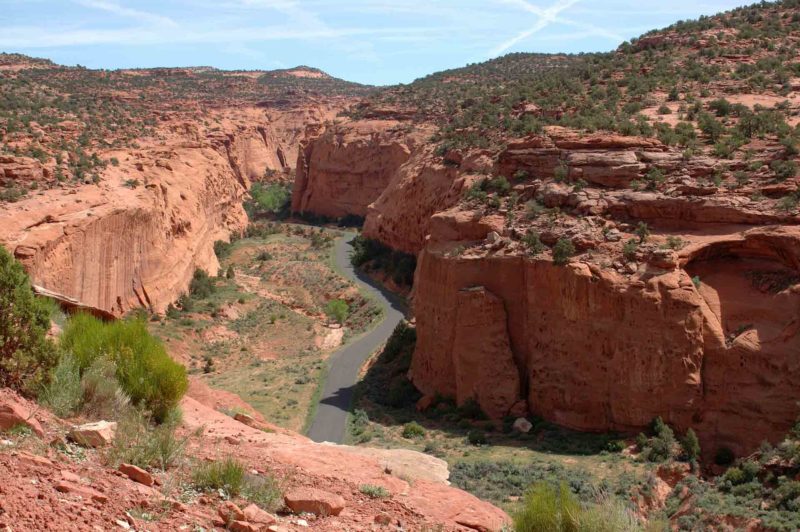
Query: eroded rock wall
x,y
347,167
598,351
135,238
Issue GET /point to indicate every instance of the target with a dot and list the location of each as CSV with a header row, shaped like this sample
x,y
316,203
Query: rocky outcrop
x,y
481,326
401,216
21,169
117,247
601,351
135,239
347,167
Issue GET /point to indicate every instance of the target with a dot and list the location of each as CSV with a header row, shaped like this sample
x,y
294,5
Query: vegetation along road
x,y
330,421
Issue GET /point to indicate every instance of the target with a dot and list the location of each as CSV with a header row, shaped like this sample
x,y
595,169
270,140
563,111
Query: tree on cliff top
x,y
26,354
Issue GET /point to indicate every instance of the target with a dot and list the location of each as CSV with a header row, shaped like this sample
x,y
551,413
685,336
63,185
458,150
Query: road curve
x,y
330,419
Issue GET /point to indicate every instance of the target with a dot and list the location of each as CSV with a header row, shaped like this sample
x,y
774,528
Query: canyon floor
x,y
263,334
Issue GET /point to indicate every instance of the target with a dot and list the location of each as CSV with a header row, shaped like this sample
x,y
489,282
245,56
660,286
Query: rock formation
x,y
590,345
135,239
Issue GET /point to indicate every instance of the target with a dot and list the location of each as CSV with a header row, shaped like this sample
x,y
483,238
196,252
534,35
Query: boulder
x,y
522,425
137,474
254,514
97,434
229,512
14,413
314,501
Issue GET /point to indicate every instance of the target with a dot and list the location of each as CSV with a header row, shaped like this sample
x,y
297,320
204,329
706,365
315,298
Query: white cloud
x,y
117,9
37,37
546,16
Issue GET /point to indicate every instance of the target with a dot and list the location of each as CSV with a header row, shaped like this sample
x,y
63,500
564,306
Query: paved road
x,y
330,421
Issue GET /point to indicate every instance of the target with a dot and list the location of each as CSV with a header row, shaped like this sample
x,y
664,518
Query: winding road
x,y
330,420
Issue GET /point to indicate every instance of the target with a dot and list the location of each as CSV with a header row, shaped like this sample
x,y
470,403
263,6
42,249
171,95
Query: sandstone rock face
x,y
400,217
481,327
20,169
599,351
346,168
607,160
135,239
384,171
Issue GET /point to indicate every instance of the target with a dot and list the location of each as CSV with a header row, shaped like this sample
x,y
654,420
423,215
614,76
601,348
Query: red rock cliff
x,y
135,239
599,351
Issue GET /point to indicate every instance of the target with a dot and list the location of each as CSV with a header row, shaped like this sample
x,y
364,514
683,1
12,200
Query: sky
x,y
377,42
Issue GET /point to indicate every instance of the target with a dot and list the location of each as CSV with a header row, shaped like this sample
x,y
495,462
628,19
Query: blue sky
x,y
369,41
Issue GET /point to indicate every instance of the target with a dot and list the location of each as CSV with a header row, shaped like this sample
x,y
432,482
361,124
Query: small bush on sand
x,y
229,475
144,370
139,442
412,430
226,475
374,492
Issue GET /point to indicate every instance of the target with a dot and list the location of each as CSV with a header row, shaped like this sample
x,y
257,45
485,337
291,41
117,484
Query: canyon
x,y
589,345
601,260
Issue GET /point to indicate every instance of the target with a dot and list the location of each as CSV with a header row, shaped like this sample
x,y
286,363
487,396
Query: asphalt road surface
x,y
330,420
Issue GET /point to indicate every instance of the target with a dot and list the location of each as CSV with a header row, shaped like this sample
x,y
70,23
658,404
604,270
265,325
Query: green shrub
x,y
201,285
616,446
674,242
103,397
691,445
662,443
399,265
561,172
63,393
783,169
413,430
643,232
272,198
533,243
499,185
226,475
471,409
229,475
139,442
144,370
477,437
222,249
26,354
337,310
373,491
546,508
629,249
654,178
563,251
264,491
